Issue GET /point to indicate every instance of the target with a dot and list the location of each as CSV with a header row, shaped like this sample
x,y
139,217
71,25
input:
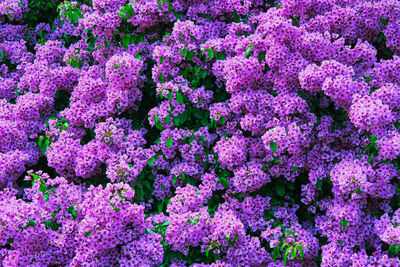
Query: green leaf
x,y
291,187
161,78
139,192
191,139
261,56
248,51
184,52
301,252
384,21
381,38
169,7
294,169
276,160
280,190
358,191
121,13
211,53
159,5
208,252
212,124
174,179
73,16
236,16
236,237
275,253
168,119
126,41
169,142
176,121
46,196
222,120
43,188
31,222
291,233
157,123
74,213
344,223
87,234
129,11
120,195
286,256
40,141
47,143
151,161
165,223
160,206
193,221
295,21
294,253
284,245
373,140
273,146
224,182
179,97
320,183
190,55
146,185
220,55
203,74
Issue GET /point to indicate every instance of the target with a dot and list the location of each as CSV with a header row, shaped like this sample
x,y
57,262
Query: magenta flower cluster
x,y
200,133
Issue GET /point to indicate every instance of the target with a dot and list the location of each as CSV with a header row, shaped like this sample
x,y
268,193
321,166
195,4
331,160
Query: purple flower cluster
x,y
199,133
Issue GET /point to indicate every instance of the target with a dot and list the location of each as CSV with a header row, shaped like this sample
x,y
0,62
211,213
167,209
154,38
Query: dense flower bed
x,y
199,133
